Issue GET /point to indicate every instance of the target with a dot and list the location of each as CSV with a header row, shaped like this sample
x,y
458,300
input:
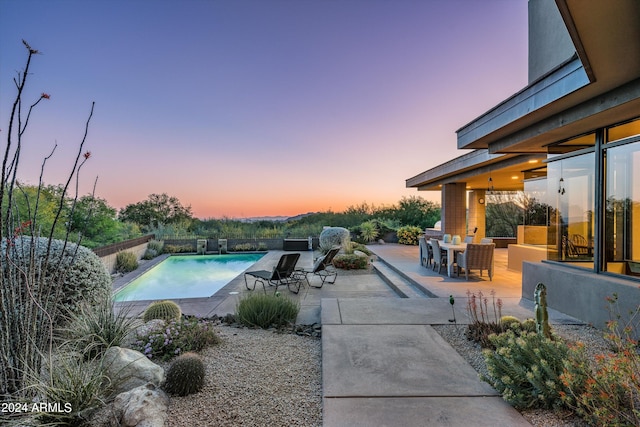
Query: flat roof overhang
x,y
597,87
475,169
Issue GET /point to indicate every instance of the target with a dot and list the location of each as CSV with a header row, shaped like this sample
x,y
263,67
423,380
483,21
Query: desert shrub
x,y
155,245
509,319
360,247
526,369
350,262
510,322
77,271
529,325
126,262
481,331
165,310
608,392
78,384
176,337
176,249
94,328
243,247
409,234
185,375
265,311
154,248
150,254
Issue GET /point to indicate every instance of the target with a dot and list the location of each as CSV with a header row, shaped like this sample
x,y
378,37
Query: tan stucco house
x,y
571,141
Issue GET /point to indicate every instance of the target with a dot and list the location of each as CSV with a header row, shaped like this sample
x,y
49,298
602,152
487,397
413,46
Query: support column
x,y
453,210
477,214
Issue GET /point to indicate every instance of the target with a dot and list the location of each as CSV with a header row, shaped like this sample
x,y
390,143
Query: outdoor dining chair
x,y
477,257
439,258
426,253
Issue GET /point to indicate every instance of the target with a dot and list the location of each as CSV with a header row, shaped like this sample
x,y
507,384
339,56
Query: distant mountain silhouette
x,y
275,218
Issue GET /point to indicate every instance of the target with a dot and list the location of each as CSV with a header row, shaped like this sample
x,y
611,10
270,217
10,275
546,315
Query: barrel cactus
x,y
164,310
185,375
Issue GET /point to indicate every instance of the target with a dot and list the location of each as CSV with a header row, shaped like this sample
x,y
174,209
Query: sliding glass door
x,y
570,181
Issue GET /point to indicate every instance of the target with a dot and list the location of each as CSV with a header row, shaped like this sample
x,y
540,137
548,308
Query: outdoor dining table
x,y
451,253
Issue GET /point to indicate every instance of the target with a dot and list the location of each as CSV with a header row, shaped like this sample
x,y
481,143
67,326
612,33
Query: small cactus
x,y
164,310
542,315
185,375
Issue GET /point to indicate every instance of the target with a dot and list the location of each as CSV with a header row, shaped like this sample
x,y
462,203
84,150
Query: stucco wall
x,y
580,294
549,41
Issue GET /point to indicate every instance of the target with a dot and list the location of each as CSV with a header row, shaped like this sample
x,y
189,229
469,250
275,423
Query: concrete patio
x,y
382,362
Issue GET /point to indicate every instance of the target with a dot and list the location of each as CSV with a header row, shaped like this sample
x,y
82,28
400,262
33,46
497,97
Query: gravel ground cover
x,y
266,378
255,377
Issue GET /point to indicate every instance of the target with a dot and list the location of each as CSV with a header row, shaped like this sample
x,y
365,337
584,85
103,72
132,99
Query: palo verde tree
x,y
33,266
156,211
413,210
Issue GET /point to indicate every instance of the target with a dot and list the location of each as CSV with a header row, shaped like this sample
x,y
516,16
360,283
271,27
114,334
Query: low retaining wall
x,y
109,261
212,244
581,294
108,254
520,253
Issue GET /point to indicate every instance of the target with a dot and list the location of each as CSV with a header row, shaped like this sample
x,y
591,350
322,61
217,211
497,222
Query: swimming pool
x,y
186,276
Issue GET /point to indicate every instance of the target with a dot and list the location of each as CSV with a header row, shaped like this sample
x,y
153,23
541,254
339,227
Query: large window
x,y
622,210
576,203
570,191
536,210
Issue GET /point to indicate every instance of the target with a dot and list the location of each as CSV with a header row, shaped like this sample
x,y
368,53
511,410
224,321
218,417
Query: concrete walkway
x,y
382,362
384,365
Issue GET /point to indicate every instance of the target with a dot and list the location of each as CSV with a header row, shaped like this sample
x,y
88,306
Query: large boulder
x,y
128,369
334,236
144,406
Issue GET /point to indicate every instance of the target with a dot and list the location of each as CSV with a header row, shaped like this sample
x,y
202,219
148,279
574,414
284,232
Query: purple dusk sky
x,y
253,108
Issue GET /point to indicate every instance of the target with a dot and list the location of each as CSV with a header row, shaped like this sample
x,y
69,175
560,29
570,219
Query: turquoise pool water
x,y
190,276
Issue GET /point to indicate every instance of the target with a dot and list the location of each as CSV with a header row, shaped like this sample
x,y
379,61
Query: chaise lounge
x,y
323,267
282,274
